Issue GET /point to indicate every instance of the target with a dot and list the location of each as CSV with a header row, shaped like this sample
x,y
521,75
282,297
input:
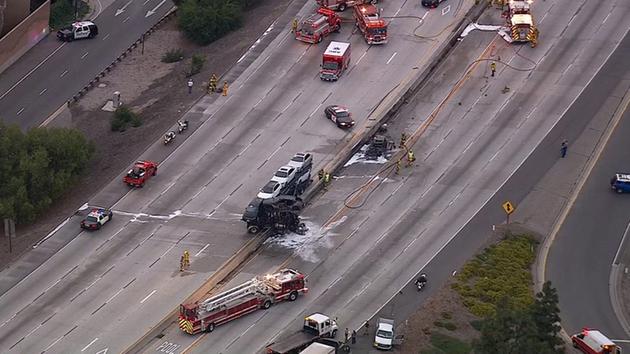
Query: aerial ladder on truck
x,y
257,293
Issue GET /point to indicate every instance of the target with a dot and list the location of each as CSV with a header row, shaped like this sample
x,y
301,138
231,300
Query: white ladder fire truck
x,y
259,293
521,22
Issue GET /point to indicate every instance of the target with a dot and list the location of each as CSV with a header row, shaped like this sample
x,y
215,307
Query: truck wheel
x,y
342,7
253,229
266,304
155,172
293,296
319,40
210,328
333,334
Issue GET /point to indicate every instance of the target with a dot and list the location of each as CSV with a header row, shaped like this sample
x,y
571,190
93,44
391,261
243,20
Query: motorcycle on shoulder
x,y
181,126
168,137
421,282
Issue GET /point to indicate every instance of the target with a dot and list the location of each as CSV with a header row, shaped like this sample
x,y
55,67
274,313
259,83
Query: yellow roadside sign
x,y
508,207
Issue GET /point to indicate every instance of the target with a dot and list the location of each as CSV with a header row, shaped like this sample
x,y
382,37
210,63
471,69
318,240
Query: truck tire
x,y
293,296
210,327
333,334
253,229
266,304
342,7
155,172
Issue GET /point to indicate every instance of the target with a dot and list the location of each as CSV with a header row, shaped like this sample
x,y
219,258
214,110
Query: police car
x,y
96,218
78,30
339,115
620,182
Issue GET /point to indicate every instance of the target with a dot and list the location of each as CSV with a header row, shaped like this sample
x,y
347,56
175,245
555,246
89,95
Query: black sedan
x,y
340,116
431,3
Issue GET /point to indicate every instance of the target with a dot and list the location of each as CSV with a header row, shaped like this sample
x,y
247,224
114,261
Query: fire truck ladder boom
x,y
236,293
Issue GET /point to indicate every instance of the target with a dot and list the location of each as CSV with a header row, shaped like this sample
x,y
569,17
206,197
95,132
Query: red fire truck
x,y
369,22
341,5
521,22
592,341
258,293
317,26
335,61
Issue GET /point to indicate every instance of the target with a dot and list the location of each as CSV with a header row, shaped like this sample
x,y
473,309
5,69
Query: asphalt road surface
x,y
581,257
103,290
52,72
358,260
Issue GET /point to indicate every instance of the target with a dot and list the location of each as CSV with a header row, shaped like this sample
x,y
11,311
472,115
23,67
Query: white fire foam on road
x,y
359,157
306,245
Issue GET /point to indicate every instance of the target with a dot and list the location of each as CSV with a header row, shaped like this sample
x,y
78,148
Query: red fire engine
x,y
341,5
258,293
373,27
317,26
521,22
592,341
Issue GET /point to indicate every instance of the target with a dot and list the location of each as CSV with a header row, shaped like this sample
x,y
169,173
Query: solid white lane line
x,y
392,57
203,249
32,70
87,346
623,241
84,55
112,298
315,110
42,92
53,343
148,296
358,61
170,248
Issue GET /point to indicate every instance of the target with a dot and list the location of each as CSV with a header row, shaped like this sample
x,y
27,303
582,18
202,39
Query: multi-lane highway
x,y
356,260
581,258
104,290
52,72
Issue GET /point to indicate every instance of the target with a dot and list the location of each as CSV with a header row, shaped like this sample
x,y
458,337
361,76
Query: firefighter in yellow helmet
x,y
410,158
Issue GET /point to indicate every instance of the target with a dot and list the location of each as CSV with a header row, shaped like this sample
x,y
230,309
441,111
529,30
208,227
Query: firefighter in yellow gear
x,y
410,158
212,84
403,139
398,167
225,88
184,262
326,179
294,25
493,68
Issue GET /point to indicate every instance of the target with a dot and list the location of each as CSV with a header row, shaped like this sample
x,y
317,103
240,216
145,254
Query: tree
x,y
205,21
38,167
546,315
514,331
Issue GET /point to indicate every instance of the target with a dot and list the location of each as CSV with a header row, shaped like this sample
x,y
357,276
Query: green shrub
x,y
37,168
124,117
205,21
172,56
196,63
446,315
62,12
476,324
501,270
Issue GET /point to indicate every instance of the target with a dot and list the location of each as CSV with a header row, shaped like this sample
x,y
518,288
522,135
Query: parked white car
x,y
270,190
300,160
284,175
